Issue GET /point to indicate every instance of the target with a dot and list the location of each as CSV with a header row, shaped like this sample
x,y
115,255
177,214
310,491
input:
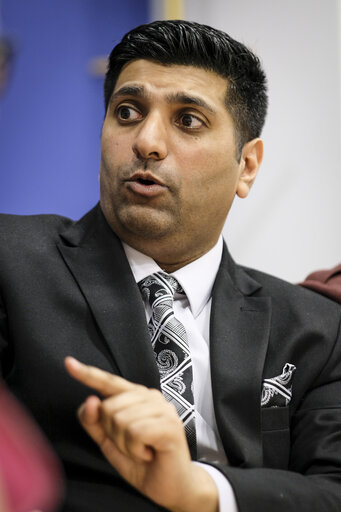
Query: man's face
x,y
168,171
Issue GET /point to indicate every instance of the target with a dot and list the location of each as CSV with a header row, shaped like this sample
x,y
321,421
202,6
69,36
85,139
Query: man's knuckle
x,y
156,394
119,419
141,389
132,432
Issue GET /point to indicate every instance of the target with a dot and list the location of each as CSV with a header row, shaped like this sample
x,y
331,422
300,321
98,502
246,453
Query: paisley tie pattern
x,y
277,391
172,354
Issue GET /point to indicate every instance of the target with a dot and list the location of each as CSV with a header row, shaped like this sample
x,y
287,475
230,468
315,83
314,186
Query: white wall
x,y
290,224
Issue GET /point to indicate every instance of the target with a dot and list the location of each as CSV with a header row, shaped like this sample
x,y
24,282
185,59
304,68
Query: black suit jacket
x,y
66,288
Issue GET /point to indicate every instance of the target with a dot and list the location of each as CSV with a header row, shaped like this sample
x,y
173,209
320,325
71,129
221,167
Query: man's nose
x,y
151,138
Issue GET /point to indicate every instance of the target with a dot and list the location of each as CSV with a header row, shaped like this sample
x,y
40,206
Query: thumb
x,y
89,417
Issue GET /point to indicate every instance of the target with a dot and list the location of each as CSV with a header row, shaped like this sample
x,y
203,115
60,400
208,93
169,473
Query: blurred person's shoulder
x,y
325,282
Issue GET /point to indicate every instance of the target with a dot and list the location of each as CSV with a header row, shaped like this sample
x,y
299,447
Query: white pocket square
x,y
277,391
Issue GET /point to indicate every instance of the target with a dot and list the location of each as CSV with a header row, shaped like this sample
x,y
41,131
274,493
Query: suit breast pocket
x,y
275,437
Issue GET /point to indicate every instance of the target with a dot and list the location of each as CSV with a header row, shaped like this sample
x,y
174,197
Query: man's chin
x,y
146,224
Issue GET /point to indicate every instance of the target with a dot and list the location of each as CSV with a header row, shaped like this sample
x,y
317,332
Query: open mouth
x,y
145,186
145,182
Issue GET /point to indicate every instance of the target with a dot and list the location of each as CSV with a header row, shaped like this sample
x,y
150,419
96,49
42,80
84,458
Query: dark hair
x,y
192,44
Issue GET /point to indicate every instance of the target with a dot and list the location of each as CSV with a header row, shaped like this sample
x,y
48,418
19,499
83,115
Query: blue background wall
x,y
51,114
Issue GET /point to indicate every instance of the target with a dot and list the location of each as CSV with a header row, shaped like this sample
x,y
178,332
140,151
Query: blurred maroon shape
x,y
30,475
326,282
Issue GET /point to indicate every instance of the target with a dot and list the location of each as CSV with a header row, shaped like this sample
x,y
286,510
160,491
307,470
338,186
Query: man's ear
x,y
251,158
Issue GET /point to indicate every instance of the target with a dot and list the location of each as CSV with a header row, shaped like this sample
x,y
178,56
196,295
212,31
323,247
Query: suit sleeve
x,y
312,482
227,499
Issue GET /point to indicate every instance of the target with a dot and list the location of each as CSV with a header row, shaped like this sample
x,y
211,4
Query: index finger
x,y
103,382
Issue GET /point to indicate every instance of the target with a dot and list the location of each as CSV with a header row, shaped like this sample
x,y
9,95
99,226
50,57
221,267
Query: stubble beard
x,y
144,222
141,218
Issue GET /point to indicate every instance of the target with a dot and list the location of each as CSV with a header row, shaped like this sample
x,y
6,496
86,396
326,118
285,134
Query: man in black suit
x,y
185,105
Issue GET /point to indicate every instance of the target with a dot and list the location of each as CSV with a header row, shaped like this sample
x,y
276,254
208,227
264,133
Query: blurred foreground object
x,y
6,54
30,477
326,282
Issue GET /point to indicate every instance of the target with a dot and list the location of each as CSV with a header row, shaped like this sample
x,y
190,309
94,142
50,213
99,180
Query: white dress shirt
x,y
193,311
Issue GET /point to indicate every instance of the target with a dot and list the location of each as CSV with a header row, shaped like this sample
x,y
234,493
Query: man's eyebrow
x,y
129,90
139,91
186,99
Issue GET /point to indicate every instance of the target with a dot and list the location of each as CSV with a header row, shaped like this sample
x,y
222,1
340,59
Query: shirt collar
x,y
196,278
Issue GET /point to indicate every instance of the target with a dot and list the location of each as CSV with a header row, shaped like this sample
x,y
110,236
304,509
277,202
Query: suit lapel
x,y
97,261
239,340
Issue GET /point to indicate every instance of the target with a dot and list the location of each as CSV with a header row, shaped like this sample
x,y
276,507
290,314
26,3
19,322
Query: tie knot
x,y
159,285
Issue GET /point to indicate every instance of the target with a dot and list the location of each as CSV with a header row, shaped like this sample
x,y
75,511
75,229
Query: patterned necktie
x,y
172,354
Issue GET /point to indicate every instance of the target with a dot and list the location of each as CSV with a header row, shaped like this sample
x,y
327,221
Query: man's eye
x,y
125,113
190,121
